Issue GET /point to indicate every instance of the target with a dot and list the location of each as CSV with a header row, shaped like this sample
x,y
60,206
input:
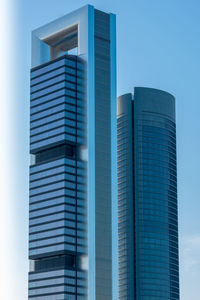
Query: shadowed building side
x,y
155,226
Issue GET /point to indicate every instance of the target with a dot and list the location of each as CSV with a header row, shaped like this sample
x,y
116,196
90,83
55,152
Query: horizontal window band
x,y
158,151
57,285
69,138
63,211
57,89
150,120
67,207
59,119
56,189
54,125
70,108
158,169
75,205
56,95
54,118
51,198
144,116
76,105
152,167
53,217
163,205
53,294
150,180
48,234
51,206
49,275
162,137
52,245
65,170
54,228
53,169
54,84
73,78
71,233
54,62
64,59
155,140
64,127
165,216
72,70
72,115
55,244
153,128
49,278
62,89
72,90
148,155
76,71
54,197
75,214
53,221
65,150
52,285
65,72
53,237
48,72
73,106
154,174
77,177
60,227
58,181
68,162
56,174
57,293
50,137
155,189
53,277
144,155
57,220
62,110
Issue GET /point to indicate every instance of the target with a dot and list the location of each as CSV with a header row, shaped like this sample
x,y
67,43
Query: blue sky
x,y
158,46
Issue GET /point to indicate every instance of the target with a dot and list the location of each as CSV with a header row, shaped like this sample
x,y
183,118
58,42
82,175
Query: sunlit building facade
x,y
73,177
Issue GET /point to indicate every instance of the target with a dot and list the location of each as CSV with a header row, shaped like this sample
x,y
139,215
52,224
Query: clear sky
x,y
158,45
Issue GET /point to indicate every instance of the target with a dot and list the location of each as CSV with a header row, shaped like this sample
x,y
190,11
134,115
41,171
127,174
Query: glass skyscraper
x,y
103,190
73,172
147,196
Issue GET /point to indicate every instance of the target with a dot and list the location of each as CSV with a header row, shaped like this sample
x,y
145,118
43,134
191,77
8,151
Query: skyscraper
x,y
103,190
73,175
147,196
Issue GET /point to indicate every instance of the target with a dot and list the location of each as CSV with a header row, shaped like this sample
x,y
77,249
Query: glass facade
x,y
125,198
72,116
155,239
58,206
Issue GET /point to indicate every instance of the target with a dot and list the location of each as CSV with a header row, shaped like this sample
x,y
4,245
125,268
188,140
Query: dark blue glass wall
x,y
58,214
154,231
156,236
125,197
103,200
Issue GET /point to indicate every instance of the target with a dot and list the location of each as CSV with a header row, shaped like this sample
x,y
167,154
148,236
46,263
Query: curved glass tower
x,y
147,201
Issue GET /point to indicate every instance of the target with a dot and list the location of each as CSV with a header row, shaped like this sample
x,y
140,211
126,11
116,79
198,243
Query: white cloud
x,y
190,253
190,267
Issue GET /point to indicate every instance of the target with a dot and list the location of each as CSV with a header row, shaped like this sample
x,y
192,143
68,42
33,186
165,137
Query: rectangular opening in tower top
x,y
63,41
